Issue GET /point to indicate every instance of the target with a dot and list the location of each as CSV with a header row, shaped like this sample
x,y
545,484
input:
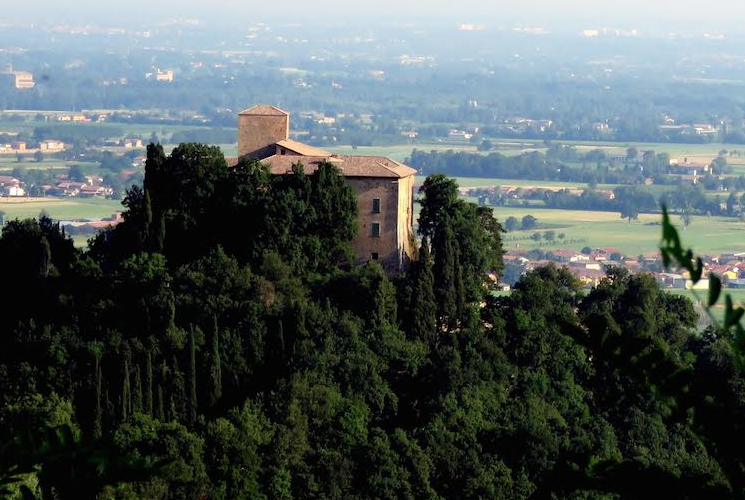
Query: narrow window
x,y
374,256
282,152
376,205
376,229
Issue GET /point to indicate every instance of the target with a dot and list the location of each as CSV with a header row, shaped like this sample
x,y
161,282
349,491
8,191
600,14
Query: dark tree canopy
x,y
219,344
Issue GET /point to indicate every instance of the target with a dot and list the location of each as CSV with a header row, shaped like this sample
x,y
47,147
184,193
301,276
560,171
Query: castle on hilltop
x,y
384,187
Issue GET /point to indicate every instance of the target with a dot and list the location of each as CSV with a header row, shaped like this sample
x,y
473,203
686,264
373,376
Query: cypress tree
x,y
137,399
147,220
192,378
173,411
98,415
161,415
45,260
158,240
149,384
110,407
459,287
445,274
126,393
215,368
423,311
281,339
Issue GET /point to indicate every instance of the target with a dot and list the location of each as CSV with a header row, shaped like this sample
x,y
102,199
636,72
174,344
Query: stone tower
x,y
259,129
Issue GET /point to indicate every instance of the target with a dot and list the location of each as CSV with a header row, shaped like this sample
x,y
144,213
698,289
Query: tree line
x,y
221,341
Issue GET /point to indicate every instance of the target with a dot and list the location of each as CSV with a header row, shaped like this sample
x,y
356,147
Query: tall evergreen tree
x,y
126,393
158,234
161,413
215,367
147,222
98,413
137,405
45,261
192,378
445,278
149,384
423,308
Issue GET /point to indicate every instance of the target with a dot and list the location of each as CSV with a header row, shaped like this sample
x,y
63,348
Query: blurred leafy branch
x,y
66,466
674,255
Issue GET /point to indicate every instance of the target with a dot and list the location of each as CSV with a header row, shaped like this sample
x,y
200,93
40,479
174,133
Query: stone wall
x,y
386,245
257,134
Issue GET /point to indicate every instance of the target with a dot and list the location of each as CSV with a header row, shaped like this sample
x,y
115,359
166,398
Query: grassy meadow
x,y
712,235
8,163
144,130
60,208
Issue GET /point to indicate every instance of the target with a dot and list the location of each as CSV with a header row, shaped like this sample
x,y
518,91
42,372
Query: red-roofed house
x,y
570,256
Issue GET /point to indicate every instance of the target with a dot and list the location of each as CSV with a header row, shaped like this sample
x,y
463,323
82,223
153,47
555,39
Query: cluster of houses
x,y
63,186
93,187
89,226
13,147
11,187
729,267
127,143
700,129
21,147
519,125
589,267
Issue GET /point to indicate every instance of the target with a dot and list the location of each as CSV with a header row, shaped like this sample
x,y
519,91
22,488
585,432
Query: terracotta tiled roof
x,y
566,253
302,149
264,110
350,166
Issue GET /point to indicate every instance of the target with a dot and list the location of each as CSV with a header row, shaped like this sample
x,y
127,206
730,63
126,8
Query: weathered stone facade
x,y
260,129
393,243
384,187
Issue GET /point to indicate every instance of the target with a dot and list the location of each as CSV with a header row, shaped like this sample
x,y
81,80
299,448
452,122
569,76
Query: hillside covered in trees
x,y
219,344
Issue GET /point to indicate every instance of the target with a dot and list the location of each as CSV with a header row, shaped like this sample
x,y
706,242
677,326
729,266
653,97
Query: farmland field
x,y
127,128
61,208
606,229
8,163
516,146
476,182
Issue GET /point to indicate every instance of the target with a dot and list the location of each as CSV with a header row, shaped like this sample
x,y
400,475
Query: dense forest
x,y
219,344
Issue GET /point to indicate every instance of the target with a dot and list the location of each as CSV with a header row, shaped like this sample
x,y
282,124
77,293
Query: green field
x,y
738,296
674,149
713,235
8,163
477,182
128,128
61,208
399,152
517,146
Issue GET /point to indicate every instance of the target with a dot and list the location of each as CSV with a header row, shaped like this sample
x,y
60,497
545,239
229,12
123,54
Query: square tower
x,y
259,129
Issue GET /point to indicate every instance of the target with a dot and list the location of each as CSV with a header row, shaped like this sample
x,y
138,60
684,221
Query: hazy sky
x,y
660,12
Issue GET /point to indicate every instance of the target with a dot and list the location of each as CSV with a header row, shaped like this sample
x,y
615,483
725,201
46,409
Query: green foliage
x,y
254,361
466,246
65,465
674,254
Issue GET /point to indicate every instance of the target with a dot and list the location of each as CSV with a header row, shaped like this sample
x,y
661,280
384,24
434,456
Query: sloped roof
x,y
264,110
302,149
350,166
